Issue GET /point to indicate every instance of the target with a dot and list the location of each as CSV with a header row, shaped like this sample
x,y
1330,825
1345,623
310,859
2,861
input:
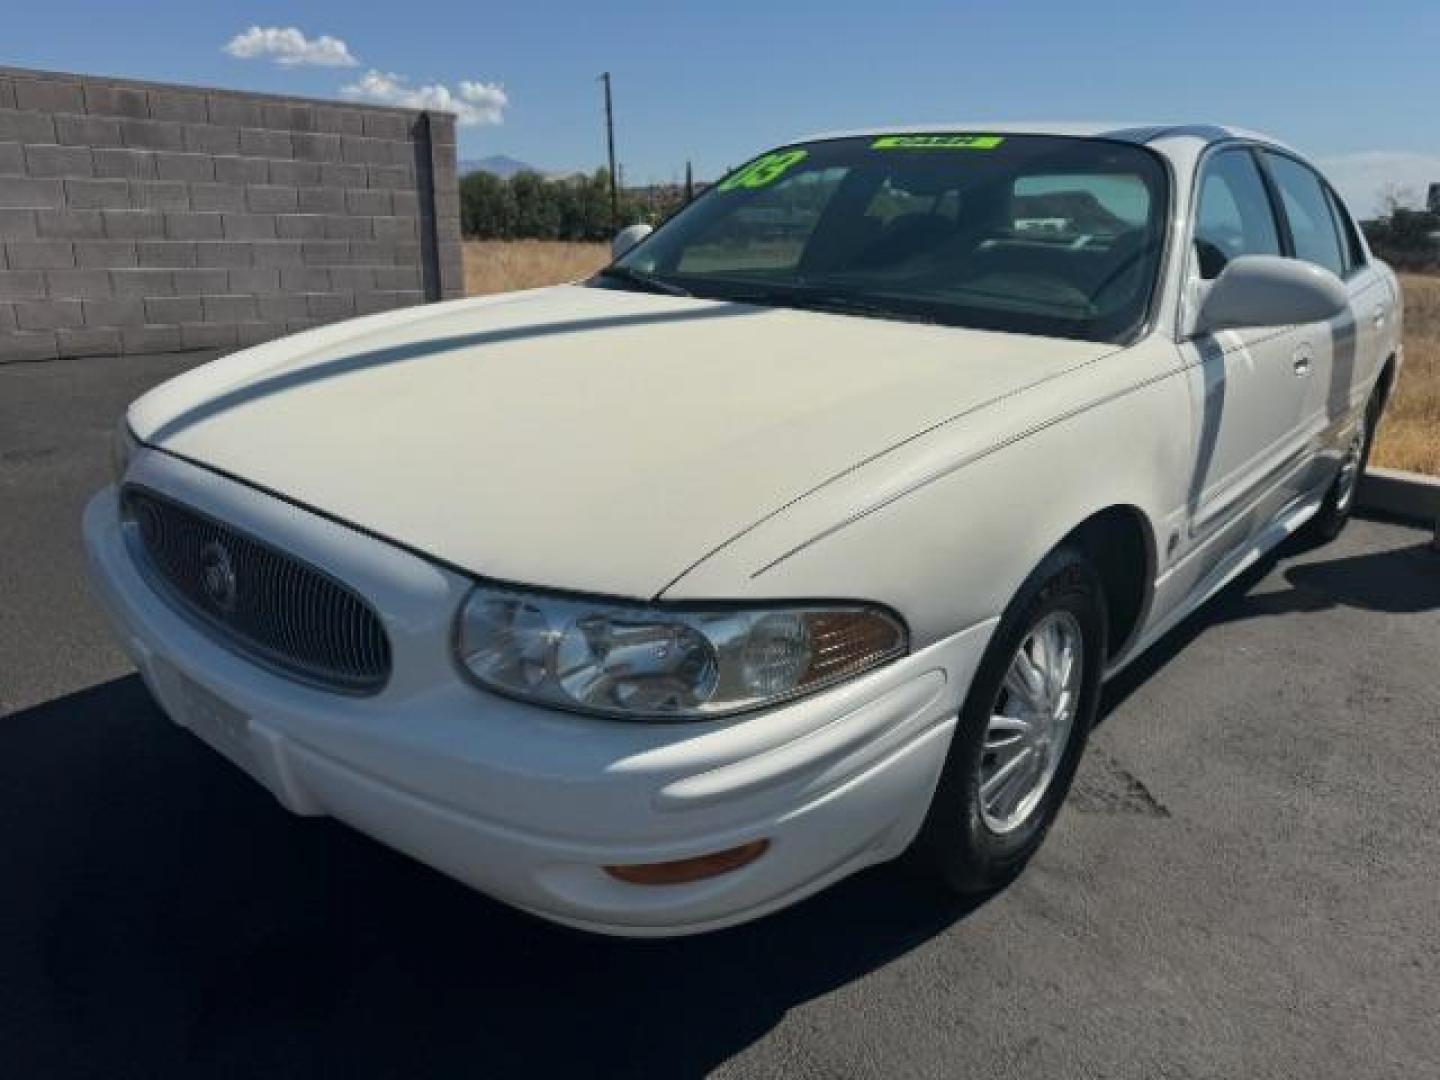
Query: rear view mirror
x,y
627,238
1267,290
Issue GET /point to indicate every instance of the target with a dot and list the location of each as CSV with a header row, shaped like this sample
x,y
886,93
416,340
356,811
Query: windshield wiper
x,y
836,303
642,280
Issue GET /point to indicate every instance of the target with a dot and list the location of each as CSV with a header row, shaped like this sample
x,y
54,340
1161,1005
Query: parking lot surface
x,y
1244,883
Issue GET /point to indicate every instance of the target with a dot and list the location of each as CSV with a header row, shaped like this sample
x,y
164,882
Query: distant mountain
x,y
498,164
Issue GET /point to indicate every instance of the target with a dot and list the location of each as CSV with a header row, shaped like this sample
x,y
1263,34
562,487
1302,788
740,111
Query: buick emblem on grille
x,y
217,576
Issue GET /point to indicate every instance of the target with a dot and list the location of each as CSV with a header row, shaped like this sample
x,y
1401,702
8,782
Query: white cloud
x,y
288,46
473,103
1362,177
486,100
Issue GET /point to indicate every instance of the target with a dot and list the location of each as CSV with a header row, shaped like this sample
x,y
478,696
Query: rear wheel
x,y
1021,731
1339,502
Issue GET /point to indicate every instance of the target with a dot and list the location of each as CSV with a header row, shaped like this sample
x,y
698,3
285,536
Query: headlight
x,y
122,447
660,663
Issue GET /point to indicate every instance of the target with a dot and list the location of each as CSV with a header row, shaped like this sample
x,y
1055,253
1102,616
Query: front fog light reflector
x,y
657,662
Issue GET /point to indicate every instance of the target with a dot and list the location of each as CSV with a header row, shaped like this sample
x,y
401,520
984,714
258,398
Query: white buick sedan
x,y
800,537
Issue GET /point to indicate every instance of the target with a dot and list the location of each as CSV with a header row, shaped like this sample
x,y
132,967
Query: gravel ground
x,y
1244,882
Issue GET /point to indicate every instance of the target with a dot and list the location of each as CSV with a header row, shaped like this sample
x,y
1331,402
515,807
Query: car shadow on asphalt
x,y
163,912
1403,581
1397,581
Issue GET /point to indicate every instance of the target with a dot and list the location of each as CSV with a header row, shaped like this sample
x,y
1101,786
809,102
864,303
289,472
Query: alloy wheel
x,y
1031,721
1349,479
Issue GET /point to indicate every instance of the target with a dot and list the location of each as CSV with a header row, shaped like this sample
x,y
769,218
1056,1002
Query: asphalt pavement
x,y
1246,882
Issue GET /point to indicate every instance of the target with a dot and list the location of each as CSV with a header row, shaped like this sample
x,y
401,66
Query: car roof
x,y
1138,133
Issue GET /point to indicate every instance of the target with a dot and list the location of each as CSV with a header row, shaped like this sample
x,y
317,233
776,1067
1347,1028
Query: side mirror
x,y
627,238
1267,290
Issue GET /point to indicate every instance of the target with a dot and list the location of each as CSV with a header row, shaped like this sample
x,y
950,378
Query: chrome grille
x,y
278,610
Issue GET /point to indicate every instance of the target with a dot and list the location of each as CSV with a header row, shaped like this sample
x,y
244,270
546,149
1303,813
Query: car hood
x,y
580,438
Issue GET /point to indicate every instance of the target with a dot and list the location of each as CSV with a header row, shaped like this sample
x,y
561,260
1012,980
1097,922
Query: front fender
x,y
944,528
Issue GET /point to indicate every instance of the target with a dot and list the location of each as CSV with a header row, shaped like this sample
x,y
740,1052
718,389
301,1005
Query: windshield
x,y
1020,233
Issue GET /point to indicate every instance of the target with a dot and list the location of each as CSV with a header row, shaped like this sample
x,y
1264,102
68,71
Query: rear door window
x,y
1313,228
1355,259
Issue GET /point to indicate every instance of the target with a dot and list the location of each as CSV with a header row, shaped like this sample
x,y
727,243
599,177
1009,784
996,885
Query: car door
x,y
1249,386
1346,350
1370,297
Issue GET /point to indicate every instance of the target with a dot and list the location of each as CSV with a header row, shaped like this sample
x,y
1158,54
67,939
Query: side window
x,y
1307,208
1234,215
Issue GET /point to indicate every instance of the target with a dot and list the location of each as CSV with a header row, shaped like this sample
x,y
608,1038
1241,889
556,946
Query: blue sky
x,y
1356,86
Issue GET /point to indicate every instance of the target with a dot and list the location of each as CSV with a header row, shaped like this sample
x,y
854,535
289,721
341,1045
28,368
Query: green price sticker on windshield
x,y
764,171
937,142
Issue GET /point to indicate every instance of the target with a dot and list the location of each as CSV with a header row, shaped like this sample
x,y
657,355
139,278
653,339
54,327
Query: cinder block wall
x,y
137,217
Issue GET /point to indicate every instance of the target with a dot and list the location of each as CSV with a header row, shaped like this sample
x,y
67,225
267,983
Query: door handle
x,y
1302,361
1379,316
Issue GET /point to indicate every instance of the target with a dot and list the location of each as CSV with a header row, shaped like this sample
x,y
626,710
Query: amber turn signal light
x,y
684,871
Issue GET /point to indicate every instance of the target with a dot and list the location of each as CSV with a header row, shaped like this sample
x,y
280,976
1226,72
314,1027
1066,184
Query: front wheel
x,y
1022,729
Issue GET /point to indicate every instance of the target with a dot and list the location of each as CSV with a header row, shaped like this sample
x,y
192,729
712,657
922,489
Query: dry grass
x,y
493,266
1409,436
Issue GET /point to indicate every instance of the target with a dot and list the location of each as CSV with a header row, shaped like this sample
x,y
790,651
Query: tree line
x,y
529,206
1406,239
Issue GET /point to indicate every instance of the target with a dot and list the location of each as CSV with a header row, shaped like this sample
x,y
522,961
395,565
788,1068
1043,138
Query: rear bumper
x,y
526,804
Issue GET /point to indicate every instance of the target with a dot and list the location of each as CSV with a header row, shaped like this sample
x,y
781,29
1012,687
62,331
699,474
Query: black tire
x,y
1335,511
955,842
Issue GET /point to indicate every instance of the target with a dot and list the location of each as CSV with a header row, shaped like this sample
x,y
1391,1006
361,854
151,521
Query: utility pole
x,y
610,143
689,184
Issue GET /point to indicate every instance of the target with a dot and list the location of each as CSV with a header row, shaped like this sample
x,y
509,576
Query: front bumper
x,y
523,803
